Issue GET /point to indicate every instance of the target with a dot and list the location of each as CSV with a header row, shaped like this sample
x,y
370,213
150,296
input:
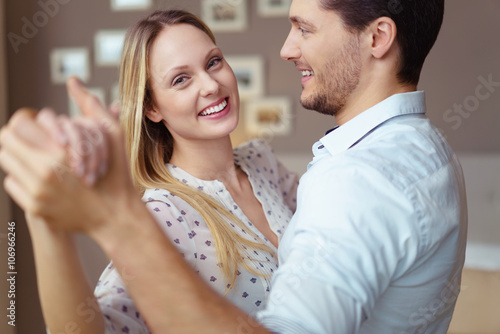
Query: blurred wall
x,y
5,203
461,78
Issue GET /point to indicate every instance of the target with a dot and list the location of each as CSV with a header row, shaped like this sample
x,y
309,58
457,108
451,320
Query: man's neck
x,y
364,98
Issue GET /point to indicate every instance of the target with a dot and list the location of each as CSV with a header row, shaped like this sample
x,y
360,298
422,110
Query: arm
x,y
67,300
349,238
66,297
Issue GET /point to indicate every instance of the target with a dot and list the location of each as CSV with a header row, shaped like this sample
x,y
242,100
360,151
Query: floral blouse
x,y
275,188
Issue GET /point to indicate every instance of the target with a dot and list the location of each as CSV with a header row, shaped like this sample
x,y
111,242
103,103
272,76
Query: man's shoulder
x,y
402,152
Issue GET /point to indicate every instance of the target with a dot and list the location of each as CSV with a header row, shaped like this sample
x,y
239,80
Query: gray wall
x,y
5,204
466,54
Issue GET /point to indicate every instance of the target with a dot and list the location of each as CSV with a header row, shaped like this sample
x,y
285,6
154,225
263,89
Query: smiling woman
x,y
224,209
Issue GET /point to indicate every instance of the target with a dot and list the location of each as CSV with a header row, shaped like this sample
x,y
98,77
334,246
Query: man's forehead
x,y
312,14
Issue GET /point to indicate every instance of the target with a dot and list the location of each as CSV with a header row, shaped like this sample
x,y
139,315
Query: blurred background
x,y
42,41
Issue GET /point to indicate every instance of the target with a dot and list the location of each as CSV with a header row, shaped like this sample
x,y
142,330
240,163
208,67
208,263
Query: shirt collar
x,y
343,137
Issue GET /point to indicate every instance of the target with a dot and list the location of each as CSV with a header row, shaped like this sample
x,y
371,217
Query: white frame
x,y
76,58
238,8
251,69
281,107
266,8
108,47
73,109
122,5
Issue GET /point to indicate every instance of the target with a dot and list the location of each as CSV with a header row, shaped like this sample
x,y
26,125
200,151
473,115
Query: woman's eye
x,y
214,61
178,81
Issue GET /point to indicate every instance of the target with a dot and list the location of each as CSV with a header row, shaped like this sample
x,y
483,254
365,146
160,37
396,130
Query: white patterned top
x,y
275,188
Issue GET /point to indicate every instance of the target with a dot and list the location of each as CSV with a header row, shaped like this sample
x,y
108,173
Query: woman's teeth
x,y
307,73
215,109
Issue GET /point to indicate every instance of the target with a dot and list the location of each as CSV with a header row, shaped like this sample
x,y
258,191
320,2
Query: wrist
x,y
41,230
120,224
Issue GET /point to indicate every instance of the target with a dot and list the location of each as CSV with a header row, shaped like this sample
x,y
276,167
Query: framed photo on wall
x,y
269,116
65,62
273,8
249,71
118,5
225,15
109,47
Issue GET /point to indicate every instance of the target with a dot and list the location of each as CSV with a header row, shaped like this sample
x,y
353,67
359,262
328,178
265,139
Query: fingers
x,y
21,142
48,120
23,139
17,192
87,148
12,164
31,171
89,104
20,123
114,110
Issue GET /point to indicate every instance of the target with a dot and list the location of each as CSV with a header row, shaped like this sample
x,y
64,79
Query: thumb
x,y
88,103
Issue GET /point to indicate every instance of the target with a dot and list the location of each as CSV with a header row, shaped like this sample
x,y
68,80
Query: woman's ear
x,y
383,33
154,115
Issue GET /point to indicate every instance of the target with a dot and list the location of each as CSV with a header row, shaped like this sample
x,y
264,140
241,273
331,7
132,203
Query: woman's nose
x,y
209,85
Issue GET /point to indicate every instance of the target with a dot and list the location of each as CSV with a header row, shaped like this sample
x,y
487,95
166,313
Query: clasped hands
x,y
70,172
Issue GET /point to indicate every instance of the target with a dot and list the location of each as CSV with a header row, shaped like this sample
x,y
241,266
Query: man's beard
x,y
336,81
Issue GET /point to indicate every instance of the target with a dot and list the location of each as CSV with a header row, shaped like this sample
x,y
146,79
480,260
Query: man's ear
x,y
154,115
383,33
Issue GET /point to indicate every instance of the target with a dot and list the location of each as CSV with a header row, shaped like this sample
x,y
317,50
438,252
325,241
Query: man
x,y
377,242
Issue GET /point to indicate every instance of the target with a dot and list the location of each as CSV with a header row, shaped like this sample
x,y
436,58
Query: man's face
x,y
325,53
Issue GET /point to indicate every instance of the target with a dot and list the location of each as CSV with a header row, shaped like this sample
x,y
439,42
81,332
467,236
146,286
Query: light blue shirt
x,y
377,243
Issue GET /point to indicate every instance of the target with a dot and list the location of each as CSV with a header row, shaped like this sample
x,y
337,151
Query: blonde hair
x,y
150,144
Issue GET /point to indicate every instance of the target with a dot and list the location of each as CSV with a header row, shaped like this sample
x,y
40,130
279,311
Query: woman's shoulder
x,y
256,147
162,195
257,158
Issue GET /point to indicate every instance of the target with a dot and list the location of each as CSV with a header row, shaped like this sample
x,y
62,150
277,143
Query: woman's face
x,y
194,89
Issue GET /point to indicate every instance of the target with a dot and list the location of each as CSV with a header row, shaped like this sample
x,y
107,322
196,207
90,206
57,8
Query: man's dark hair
x,y
418,23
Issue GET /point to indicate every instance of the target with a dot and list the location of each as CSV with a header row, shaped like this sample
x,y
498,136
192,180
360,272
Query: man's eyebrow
x,y
300,21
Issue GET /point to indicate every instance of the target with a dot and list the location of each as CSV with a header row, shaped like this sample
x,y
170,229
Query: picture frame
x,y
66,62
108,46
124,5
73,109
273,8
225,15
249,72
268,116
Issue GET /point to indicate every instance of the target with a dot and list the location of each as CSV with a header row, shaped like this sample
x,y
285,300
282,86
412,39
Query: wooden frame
x,y
268,116
225,15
